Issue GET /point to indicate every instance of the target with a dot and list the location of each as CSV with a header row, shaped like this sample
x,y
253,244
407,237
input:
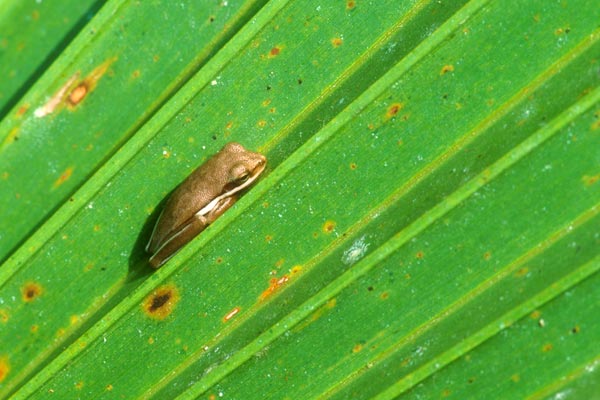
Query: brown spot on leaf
x,y
3,316
274,52
63,177
337,42
521,272
160,304
328,226
350,4
12,137
22,110
576,329
77,94
590,180
31,291
446,68
393,110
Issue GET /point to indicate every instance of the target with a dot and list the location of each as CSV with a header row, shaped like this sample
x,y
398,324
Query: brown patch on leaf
x,y
393,110
160,304
274,52
30,291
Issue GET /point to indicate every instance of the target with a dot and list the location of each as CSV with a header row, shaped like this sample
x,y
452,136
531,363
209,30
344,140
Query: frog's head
x,y
246,166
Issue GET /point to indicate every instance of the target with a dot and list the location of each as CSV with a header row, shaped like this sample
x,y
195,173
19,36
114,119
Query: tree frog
x,y
206,194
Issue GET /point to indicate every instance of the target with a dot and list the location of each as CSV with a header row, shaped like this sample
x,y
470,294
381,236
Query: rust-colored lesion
x,y
328,227
63,177
394,109
274,285
31,291
589,180
337,41
74,91
160,303
274,52
4,368
447,68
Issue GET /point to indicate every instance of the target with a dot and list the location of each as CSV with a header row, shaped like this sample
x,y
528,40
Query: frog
x,y
201,198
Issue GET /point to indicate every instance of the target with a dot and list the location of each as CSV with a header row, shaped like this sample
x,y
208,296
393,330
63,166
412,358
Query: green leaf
x,y
427,227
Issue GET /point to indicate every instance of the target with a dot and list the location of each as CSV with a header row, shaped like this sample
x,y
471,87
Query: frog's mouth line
x,y
211,206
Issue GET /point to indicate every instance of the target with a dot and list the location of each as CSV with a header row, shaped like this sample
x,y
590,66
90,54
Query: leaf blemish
x,y
393,110
274,52
4,368
274,285
77,94
160,304
355,252
328,226
63,177
231,314
31,291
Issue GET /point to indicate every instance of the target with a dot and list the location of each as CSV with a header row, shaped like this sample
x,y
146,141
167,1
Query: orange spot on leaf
x,y
22,110
274,52
274,285
63,177
337,42
31,291
77,94
328,226
446,68
394,109
4,368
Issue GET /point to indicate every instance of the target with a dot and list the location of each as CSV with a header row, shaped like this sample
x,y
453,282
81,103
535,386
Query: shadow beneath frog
x,y
139,266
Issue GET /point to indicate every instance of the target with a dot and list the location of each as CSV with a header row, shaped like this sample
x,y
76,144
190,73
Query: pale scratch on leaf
x,y
55,100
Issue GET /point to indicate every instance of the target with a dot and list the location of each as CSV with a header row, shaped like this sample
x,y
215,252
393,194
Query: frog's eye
x,y
239,174
243,178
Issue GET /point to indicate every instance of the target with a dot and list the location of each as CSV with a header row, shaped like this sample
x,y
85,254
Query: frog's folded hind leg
x,y
189,230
